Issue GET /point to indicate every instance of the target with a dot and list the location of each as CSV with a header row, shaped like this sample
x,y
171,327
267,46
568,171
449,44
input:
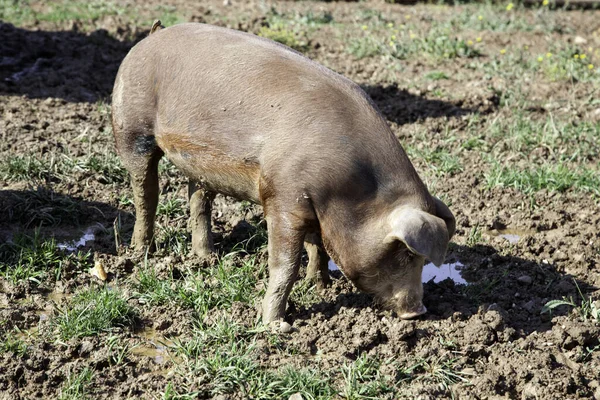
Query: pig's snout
x,y
420,310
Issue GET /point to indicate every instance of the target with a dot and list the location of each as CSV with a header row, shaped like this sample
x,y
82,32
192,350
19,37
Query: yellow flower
x,y
590,49
478,39
548,54
390,25
509,6
583,56
526,47
407,16
412,36
576,56
480,18
540,59
391,44
502,51
364,27
470,43
591,66
545,2
393,37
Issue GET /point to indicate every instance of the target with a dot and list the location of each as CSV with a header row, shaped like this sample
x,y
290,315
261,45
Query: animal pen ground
x,y
498,107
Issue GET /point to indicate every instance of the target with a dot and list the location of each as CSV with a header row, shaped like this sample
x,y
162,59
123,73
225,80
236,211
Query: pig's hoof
x,y
414,314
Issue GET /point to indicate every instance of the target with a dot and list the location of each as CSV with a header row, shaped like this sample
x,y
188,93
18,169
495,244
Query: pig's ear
x,y
442,211
424,234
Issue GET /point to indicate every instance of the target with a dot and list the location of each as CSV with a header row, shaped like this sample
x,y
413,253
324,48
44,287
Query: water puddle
x,y
430,271
443,272
332,266
512,235
88,236
157,347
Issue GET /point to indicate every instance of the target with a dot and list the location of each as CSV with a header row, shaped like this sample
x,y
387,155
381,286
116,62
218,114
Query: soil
x,y
55,82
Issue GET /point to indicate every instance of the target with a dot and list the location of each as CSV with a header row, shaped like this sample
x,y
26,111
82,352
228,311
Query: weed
x,y
92,311
587,309
75,388
363,47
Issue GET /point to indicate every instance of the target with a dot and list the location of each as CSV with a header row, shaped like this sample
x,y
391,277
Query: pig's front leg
x,y
200,209
317,270
285,247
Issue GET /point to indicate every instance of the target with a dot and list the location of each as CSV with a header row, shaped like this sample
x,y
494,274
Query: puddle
x,y
88,236
332,266
157,348
512,235
430,271
445,271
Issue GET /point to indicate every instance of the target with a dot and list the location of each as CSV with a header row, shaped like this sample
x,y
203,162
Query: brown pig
x,y
250,118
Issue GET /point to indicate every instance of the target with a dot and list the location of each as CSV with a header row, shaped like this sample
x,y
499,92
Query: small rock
x,y
85,347
285,327
579,40
560,256
525,279
530,306
296,396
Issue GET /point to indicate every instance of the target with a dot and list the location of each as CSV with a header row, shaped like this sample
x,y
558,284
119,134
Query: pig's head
x,y
392,266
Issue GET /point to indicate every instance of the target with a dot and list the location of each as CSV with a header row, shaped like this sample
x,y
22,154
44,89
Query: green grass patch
x,y
559,178
363,380
76,385
439,370
33,258
91,312
16,168
11,343
233,279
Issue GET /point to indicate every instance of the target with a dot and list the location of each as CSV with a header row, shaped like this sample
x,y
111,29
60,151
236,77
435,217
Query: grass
x,y
106,167
362,380
439,370
293,30
93,311
33,258
233,279
76,385
43,207
20,12
11,343
558,178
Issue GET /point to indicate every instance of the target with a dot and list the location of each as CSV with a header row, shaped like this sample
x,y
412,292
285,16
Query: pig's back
x,y
247,103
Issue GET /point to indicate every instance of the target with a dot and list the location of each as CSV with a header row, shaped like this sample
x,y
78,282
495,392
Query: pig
x,y
253,119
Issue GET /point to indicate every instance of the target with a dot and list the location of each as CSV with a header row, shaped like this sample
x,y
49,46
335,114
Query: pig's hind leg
x,y
140,155
200,210
317,270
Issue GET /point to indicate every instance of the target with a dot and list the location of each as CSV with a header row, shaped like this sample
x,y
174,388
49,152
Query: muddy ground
x,y
506,131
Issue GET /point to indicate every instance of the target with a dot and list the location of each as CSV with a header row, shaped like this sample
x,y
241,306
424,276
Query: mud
x,y
485,323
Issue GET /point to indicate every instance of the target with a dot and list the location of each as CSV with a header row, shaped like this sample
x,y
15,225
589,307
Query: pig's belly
x,y
217,171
